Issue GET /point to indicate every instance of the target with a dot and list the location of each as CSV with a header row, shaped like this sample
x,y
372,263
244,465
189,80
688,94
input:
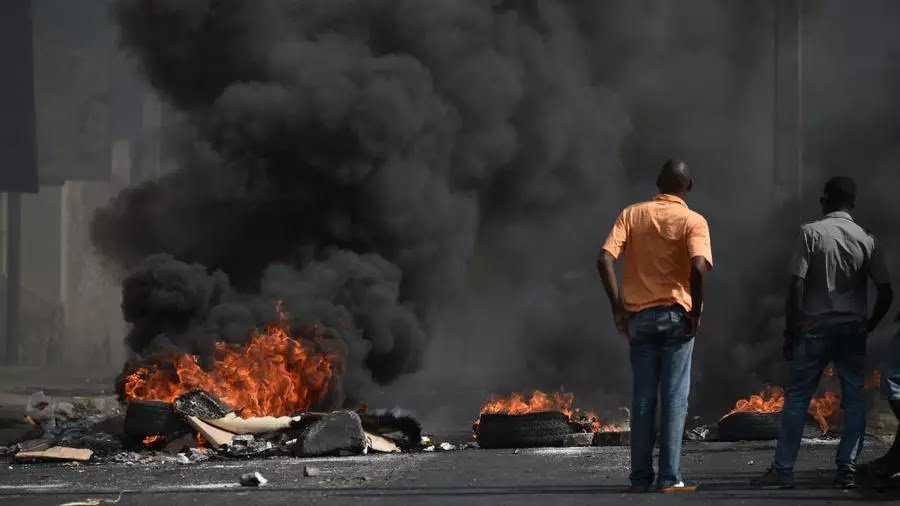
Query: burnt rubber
x,y
750,427
523,431
152,418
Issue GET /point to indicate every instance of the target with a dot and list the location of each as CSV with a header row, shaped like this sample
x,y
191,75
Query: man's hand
x,y
787,348
695,319
621,317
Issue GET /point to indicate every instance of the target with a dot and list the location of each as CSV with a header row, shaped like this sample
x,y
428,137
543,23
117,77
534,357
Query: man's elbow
x,y
699,265
606,258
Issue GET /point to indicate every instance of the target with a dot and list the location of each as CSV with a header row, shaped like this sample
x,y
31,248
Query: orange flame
x,y
538,402
272,375
152,440
822,408
541,402
769,401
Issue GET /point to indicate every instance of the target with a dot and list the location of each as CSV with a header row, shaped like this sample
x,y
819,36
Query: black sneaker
x,y
883,468
773,479
845,480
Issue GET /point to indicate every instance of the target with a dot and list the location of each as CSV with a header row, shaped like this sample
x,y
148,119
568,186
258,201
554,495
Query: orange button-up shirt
x,y
657,240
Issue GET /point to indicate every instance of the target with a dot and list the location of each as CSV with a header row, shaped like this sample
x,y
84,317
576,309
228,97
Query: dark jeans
x,y
845,345
661,368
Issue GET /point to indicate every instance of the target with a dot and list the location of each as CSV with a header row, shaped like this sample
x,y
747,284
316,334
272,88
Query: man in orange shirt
x,y
666,252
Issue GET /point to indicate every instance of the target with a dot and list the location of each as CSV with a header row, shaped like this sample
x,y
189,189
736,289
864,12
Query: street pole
x,y
13,276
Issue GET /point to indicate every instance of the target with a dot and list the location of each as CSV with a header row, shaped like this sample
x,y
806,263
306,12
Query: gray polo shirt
x,y
836,257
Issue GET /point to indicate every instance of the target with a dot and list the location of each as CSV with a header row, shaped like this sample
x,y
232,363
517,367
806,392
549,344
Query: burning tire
x,y
523,431
750,427
150,418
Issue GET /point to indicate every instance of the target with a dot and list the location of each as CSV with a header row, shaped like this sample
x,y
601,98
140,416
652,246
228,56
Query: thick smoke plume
x,y
431,180
345,157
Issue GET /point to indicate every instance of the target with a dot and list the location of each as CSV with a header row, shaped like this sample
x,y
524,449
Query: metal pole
x,y
13,276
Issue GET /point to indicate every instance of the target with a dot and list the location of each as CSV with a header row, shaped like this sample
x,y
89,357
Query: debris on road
x,y
381,444
579,439
56,454
447,447
622,438
201,404
311,472
214,435
336,433
253,479
94,501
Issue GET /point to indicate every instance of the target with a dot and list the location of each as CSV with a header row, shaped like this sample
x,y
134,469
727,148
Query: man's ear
x,y
690,185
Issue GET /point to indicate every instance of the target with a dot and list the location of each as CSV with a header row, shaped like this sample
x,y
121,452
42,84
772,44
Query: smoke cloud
x,y
346,157
431,181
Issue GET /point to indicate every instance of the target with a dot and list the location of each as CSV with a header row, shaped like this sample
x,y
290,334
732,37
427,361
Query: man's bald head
x,y
675,178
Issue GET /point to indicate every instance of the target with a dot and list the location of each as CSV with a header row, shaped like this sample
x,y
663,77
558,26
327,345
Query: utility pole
x,y
18,151
787,142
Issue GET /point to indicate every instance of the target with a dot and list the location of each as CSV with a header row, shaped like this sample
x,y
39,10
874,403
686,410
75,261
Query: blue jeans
x,y
661,368
845,345
890,382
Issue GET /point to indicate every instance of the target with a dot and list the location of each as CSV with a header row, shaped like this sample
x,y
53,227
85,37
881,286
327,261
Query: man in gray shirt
x,y
828,321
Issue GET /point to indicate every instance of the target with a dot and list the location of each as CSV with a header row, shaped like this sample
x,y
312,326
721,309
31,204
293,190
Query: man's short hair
x,y
841,190
674,177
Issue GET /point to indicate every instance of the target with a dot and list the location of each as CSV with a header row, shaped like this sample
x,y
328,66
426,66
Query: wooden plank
x,y
57,453
216,436
255,425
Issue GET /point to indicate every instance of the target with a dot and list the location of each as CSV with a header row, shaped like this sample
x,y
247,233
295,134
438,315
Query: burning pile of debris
x,y
758,417
255,399
541,419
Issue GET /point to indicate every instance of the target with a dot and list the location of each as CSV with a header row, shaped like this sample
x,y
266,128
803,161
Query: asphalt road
x,y
496,477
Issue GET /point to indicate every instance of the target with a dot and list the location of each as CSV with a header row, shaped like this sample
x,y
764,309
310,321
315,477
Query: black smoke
x,y
347,157
432,180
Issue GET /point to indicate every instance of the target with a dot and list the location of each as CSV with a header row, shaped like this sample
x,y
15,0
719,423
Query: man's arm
x,y
882,305
699,268
793,306
878,271
606,267
793,312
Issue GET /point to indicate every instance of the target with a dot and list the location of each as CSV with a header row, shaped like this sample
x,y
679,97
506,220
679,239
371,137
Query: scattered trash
x,y
198,454
335,433
397,421
447,447
246,445
699,433
311,472
39,409
380,444
254,425
183,459
55,454
253,479
426,440
201,404
214,435
428,448
471,445
94,502
579,439
179,444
